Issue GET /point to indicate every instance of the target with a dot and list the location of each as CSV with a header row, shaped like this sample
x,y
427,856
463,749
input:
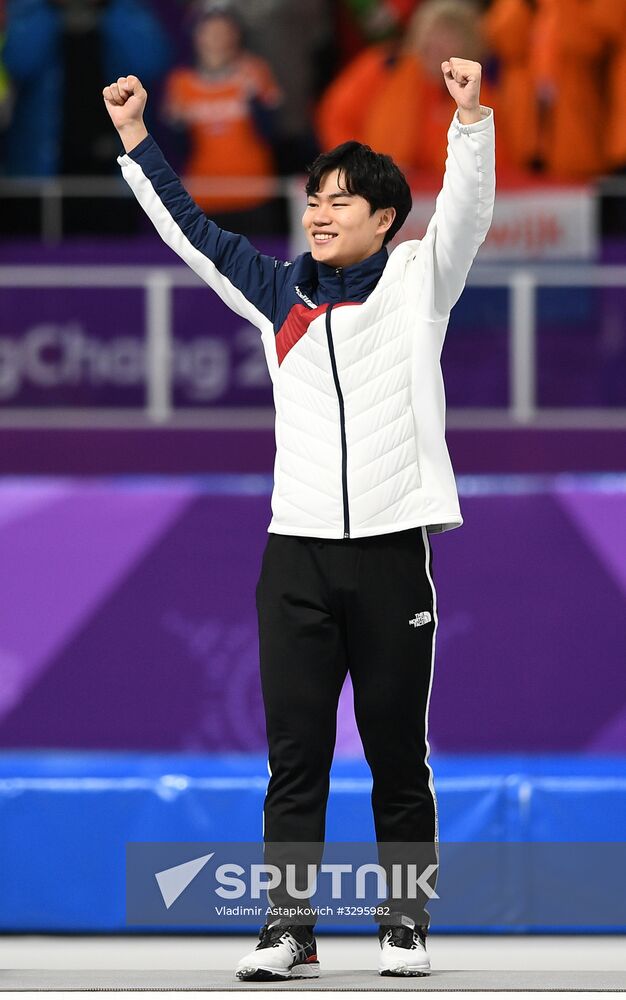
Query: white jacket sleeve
x,y
462,217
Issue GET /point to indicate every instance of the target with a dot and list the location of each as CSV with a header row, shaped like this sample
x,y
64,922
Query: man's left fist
x,y
462,78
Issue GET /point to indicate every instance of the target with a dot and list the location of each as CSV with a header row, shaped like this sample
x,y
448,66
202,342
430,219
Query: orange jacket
x,y
225,141
610,19
392,105
508,29
552,83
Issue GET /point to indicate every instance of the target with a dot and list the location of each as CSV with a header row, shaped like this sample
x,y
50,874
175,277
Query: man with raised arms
x,y
352,336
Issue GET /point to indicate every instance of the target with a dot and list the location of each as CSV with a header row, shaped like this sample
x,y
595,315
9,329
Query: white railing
x,y
53,191
158,284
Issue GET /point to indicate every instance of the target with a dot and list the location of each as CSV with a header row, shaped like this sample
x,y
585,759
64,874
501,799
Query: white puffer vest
x,y
360,402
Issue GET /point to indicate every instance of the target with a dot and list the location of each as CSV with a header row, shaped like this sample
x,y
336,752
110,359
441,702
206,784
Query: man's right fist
x,y
125,101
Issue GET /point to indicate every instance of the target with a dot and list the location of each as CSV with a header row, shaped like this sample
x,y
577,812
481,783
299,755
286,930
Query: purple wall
x,y
127,450
127,616
82,347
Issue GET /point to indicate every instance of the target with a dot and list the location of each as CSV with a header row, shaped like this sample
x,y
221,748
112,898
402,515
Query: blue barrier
x,y
65,819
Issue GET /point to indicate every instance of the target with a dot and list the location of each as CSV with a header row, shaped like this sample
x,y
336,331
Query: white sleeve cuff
x,y
485,122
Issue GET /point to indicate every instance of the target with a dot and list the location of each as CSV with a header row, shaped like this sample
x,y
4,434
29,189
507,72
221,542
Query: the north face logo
x,y
421,618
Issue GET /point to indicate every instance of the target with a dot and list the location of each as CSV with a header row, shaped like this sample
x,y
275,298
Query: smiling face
x,y
340,227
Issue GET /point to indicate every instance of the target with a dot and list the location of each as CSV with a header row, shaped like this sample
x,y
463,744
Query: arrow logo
x,y
173,881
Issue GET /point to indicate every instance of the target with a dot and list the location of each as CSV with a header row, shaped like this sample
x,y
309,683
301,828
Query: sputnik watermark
x,y
463,885
235,883
172,883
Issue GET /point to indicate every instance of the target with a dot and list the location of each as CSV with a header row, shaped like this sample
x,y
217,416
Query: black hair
x,y
372,175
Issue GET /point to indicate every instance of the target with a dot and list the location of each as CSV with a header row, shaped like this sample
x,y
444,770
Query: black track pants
x,y
366,605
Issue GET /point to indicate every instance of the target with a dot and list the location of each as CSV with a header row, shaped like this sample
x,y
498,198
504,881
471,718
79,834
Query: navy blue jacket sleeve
x,y
245,279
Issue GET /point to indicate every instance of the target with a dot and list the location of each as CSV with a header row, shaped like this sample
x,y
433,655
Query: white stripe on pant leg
x,y
269,771
431,781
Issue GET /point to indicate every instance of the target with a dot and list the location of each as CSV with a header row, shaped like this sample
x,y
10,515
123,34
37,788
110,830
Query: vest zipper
x,y
342,424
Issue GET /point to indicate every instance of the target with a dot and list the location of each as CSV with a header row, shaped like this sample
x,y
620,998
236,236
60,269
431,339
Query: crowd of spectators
x,y
256,87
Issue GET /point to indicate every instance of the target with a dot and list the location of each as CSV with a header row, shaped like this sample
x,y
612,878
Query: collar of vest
x,y
353,283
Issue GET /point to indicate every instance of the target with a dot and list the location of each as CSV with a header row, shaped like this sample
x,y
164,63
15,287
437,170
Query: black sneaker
x,y
283,952
403,951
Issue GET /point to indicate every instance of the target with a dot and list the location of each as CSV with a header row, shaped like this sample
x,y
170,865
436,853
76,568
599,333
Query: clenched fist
x,y
125,101
462,78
